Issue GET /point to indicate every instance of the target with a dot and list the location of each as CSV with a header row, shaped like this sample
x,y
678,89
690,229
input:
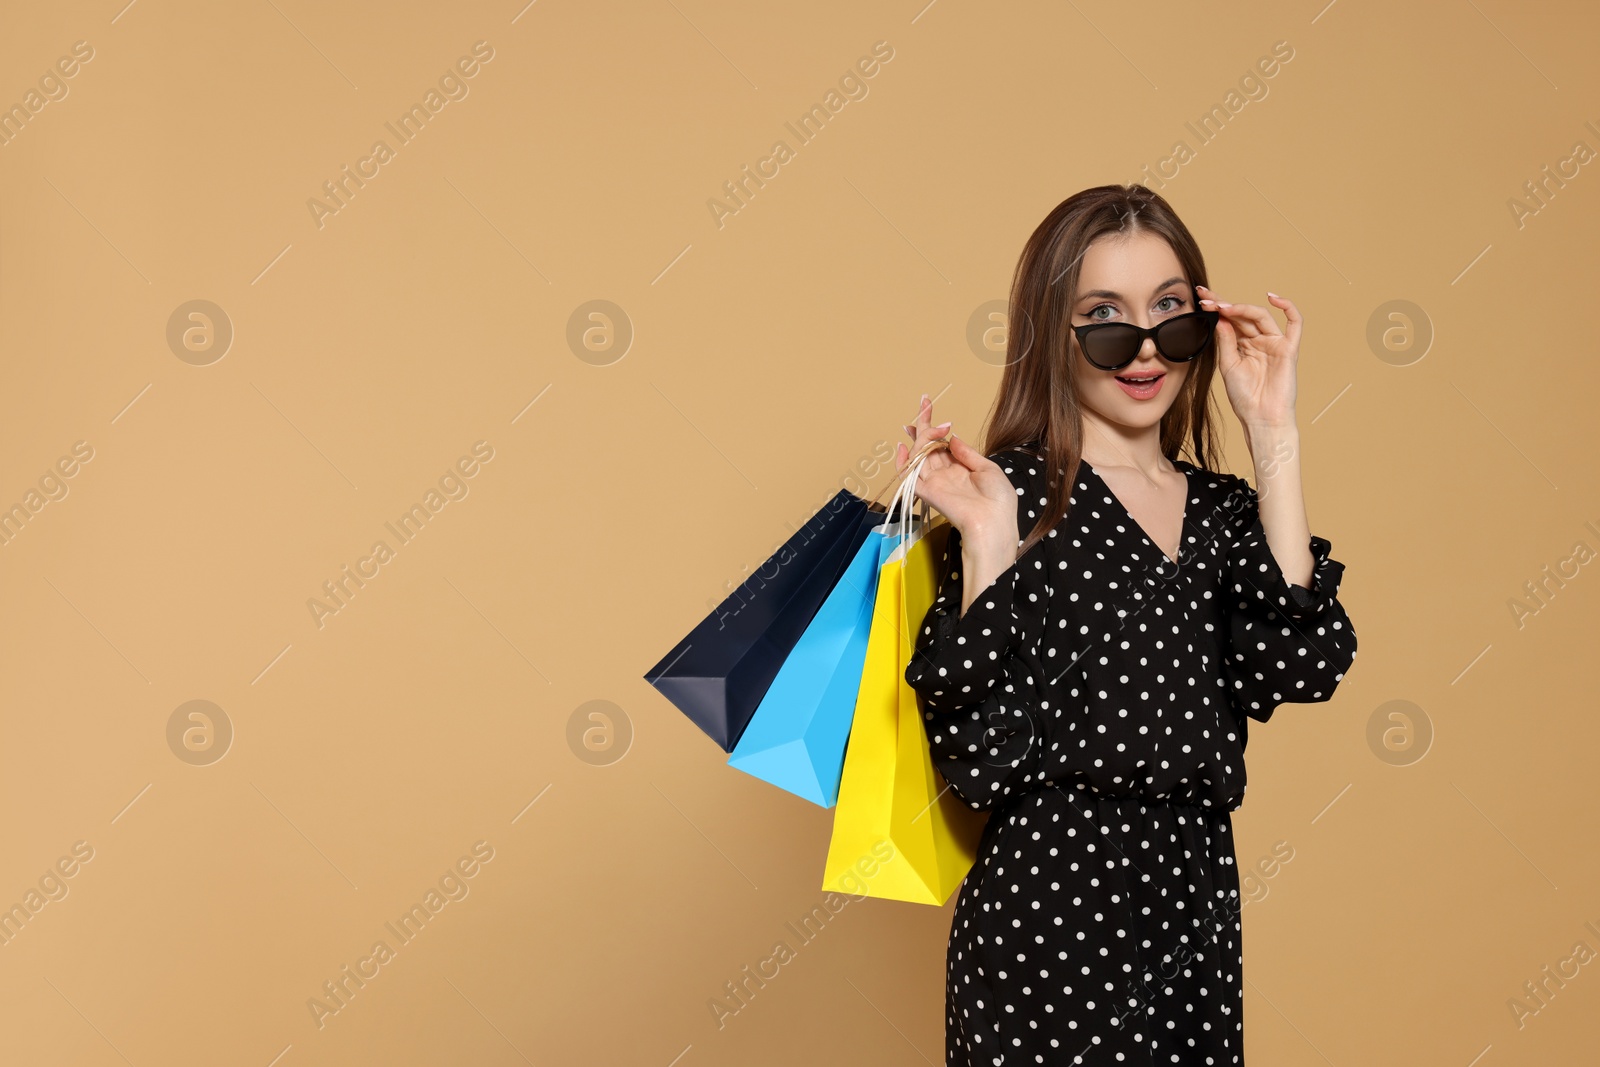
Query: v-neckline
x,y
1183,522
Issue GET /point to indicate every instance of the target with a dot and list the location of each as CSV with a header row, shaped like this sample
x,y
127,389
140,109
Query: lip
x,y
1142,392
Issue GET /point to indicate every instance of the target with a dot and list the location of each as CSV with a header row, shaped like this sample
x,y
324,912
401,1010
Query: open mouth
x,y
1142,386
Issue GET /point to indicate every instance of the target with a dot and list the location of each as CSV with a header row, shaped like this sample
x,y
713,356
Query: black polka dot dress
x,y
1095,699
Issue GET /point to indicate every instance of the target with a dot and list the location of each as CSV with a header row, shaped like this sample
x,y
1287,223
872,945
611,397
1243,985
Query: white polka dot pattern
x,y
1287,644
1095,698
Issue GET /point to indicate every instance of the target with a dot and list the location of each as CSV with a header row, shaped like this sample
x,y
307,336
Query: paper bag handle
x,y
906,496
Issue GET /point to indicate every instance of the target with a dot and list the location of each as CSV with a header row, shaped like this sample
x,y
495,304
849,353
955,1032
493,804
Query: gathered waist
x,y
1123,802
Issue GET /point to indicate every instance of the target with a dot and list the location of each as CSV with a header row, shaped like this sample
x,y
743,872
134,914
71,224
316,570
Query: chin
x,y
1142,417
1122,409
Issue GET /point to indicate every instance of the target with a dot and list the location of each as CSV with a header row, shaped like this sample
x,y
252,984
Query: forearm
x,y
1275,455
983,559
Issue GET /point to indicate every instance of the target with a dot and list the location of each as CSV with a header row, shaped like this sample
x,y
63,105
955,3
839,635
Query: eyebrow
x,y
1112,294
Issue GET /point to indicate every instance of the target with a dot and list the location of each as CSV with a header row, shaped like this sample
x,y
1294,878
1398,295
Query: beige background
x,y
627,489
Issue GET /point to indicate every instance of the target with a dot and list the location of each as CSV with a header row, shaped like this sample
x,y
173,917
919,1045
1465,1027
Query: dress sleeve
x,y
1285,643
976,694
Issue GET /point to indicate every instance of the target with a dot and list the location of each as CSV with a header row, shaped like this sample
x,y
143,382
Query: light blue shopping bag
x,y
796,738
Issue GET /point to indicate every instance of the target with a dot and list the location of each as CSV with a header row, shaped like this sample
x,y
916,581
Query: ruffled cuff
x,y
1259,581
1286,644
1303,597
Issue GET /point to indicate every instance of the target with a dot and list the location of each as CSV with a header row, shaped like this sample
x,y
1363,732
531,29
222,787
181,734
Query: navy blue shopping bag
x,y
720,671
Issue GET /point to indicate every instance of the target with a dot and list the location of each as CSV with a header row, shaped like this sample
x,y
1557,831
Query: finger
x,y
1251,320
1209,302
932,464
924,445
1291,313
900,456
927,437
1227,345
965,454
1244,323
925,413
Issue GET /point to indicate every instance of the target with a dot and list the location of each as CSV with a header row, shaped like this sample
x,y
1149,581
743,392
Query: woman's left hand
x,y
1257,360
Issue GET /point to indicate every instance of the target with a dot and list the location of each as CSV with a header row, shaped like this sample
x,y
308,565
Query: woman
x,y
1110,617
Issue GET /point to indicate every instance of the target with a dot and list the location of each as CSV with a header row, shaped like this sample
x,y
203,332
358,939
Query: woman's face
x,y
1133,278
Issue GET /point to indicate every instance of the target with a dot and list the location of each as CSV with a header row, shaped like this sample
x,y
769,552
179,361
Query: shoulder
x,y
1225,494
1214,479
1023,464
1019,456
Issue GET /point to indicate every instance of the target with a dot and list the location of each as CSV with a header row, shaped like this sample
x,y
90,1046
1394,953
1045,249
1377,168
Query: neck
x,y
1107,444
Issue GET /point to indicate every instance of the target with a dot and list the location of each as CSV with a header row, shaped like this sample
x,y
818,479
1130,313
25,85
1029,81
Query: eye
x,y
1176,302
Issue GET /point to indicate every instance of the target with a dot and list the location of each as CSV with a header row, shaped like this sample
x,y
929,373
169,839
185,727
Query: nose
x,y
1149,356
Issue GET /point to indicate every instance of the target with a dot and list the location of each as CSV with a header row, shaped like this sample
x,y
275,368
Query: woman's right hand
x,y
967,487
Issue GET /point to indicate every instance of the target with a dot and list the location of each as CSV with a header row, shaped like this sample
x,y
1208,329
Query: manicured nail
x,y
941,426
1271,293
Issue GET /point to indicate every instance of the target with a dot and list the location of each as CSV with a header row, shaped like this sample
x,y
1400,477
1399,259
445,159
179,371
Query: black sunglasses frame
x,y
1210,318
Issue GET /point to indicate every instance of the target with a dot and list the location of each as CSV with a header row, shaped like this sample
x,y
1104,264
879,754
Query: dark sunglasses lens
x,y
1184,337
1109,348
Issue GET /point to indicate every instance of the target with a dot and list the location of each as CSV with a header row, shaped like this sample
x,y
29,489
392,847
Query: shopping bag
x,y
796,738
899,833
720,670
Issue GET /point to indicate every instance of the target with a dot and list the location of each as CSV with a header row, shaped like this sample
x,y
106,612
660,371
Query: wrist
x,y
1266,436
1272,426
982,564
987,555
990,542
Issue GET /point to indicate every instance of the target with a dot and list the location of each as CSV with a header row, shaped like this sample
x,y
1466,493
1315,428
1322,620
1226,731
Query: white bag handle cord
x,y
906,497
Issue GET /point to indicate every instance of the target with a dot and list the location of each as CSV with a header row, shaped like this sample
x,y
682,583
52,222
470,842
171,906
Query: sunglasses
x,y
1114,345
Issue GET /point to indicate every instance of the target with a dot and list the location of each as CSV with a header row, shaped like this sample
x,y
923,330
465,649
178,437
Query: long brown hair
x,y
1038,405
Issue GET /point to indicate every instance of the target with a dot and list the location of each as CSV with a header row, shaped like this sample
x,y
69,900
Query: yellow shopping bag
x,y
898,831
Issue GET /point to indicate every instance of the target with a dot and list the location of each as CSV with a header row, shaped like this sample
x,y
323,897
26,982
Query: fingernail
x,y
941,426
1271,293
924,399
